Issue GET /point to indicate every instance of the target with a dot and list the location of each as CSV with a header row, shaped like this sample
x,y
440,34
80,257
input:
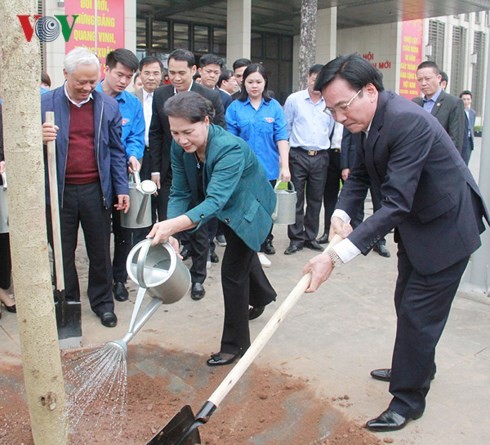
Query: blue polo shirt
x,y
261,129
133,123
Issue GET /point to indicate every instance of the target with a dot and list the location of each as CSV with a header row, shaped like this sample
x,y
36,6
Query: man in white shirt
x,y
150,72
309,131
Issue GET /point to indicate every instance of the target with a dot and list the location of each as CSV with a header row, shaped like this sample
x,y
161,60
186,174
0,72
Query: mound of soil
x,y
266,407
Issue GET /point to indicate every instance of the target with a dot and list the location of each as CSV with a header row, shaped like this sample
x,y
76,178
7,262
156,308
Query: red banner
x,y
99,26
410,57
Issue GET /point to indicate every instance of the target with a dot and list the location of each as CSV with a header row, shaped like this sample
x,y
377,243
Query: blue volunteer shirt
x,y
261,129
133,123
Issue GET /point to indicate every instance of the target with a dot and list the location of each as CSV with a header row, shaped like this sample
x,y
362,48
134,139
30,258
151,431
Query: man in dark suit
x,y
447,109
431,200
210,67
469,140
181,69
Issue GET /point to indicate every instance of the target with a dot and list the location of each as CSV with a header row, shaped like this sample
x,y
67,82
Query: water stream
x,y
96,383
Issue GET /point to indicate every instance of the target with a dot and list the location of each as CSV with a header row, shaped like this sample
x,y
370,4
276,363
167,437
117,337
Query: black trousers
x,y
5,261
162,197
422,304
122,245
308,174
82,204
270,236
198,243
332,187
244,283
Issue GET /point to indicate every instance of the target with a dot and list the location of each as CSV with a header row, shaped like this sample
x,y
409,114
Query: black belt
x,y
335,150
309,152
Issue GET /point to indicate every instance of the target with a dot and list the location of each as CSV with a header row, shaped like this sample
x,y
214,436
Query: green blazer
x,y
236,188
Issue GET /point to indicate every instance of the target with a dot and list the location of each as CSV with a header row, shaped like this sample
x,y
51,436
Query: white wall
x,y
378,44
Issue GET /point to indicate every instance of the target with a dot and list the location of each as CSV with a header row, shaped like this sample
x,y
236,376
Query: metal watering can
x,y
139,213
161,274
285,211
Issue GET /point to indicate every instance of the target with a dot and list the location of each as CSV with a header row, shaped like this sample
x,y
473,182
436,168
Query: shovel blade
x,y
68,317
181,430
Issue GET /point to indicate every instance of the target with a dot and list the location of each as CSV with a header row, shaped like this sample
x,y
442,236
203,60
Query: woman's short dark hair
x,y
355,70
189,105
255,68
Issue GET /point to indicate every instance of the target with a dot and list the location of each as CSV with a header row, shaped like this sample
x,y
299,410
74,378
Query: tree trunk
x,y
19,84
307,43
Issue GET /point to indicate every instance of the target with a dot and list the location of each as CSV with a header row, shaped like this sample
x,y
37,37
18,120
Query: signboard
x,y
410,57
99,26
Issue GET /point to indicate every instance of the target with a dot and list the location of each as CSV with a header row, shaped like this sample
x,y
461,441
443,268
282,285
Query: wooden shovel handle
x,y
55,208
264,336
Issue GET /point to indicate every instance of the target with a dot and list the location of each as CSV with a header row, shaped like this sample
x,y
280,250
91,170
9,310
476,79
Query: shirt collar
x,y
120,97
79,104
434,97
190,87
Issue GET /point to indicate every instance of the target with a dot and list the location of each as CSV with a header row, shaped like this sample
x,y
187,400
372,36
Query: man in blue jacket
x,y
91,166
121,64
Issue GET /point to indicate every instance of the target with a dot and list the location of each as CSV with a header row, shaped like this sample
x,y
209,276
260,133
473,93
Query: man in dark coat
x,y
431,200
181,69
447,109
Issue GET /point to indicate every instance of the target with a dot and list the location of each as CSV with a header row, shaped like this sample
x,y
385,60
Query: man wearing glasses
x,y
431,200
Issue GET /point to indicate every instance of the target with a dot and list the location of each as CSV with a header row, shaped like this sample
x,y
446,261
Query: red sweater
x,y
81,166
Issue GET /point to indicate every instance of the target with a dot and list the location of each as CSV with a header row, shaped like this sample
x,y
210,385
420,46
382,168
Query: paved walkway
x,y
332,338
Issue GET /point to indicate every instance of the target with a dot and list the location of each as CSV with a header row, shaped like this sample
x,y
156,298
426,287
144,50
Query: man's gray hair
x,y
80,56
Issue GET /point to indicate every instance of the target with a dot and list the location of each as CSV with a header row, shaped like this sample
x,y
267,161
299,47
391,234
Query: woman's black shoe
x,y
222,358
255,312
12,308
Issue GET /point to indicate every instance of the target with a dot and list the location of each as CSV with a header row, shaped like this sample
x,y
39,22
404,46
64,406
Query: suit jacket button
x,y
227,220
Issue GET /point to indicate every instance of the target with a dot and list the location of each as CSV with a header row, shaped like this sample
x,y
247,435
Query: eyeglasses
x,y
341,107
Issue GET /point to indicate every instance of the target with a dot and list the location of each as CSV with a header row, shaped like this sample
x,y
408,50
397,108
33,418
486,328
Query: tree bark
x,y
20,71
307,43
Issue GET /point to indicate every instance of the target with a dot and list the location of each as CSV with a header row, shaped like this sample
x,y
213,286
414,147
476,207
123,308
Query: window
x,y
181,36
159,30
201,39
458,59
219,41
436,40
477,78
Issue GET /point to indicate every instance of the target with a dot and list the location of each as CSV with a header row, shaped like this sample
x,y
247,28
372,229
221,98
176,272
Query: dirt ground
x,y
265,407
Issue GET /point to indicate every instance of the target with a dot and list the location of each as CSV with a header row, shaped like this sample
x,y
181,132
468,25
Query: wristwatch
x,y
336,260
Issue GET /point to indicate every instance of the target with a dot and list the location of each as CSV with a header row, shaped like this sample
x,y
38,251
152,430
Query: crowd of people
x,y
215,141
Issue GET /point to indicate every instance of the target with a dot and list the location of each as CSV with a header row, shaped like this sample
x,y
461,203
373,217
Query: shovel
x,y
68,313
182,428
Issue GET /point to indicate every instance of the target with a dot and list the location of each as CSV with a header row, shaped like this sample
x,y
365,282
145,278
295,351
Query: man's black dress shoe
x,y
255,312
213,257
197,291
384,374
120,292
314,245
108,319
323,239
292,248
390,420
268,248
382,250
185,253
222,358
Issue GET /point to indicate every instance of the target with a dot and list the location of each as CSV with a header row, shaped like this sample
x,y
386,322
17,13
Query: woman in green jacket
x,y
217,175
